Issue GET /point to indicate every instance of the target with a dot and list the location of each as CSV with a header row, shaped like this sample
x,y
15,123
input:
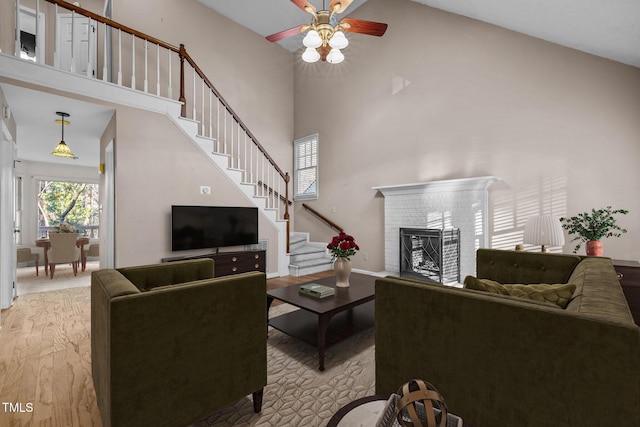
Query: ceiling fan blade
x,y
363,27
338,6
287,33
305,5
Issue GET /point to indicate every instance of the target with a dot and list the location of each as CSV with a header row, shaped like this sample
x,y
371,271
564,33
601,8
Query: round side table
x,y
361,412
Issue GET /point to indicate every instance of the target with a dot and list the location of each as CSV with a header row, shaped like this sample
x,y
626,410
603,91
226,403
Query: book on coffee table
x,y
316,290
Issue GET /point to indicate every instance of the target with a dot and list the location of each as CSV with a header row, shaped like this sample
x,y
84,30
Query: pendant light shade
x,y
62,150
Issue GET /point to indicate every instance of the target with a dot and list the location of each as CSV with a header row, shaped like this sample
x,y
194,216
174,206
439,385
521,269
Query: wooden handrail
x,y
233,113
323,218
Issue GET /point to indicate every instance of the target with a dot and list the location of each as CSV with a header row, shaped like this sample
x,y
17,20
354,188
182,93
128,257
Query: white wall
x,y
441,96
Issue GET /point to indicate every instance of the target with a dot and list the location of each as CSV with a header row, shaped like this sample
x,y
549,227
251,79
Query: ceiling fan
x,y
325,37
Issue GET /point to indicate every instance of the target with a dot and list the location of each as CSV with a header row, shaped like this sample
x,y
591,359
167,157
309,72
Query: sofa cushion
x,y
558,294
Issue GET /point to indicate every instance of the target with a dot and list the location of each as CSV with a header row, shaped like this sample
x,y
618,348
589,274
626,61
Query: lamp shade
x,y
335,56
310,55
338,40
545,230
312,39
62,150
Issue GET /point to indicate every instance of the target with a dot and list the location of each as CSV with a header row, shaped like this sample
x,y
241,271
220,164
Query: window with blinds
x,y
305,179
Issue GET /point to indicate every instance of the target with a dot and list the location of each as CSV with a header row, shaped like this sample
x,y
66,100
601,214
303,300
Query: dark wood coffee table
x,y
323,322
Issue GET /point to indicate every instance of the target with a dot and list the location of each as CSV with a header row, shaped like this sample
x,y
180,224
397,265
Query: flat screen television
x,y
200,227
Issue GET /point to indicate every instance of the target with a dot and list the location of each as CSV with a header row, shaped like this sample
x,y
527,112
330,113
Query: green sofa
x,y
170,344
503,361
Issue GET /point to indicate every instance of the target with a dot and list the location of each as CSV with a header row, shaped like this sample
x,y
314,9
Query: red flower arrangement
x,y
343,246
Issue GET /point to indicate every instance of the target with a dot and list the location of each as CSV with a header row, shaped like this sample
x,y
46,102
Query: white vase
x,y
342,268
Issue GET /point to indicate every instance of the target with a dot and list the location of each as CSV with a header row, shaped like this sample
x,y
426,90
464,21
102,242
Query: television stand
x,y
228,263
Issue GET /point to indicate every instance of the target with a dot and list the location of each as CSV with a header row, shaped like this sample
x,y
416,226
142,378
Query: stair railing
x,y
323,218
111,44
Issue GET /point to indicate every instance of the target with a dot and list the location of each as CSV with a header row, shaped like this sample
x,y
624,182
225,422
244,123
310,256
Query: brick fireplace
x,y
460,204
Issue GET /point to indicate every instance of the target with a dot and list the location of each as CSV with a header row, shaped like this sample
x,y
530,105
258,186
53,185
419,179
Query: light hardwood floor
x,y
45,358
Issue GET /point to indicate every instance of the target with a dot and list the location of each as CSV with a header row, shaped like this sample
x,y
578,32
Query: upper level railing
x,y
86,43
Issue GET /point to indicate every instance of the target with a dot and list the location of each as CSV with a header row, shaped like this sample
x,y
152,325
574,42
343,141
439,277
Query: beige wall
x,y
442,96
157,166
253,75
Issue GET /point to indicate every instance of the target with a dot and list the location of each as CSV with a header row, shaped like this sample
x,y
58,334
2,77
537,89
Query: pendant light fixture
x,y
62,150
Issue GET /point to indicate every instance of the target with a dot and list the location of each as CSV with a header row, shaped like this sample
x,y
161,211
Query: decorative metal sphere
x,y
420,405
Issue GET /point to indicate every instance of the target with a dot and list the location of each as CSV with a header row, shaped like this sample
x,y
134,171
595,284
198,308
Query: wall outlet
x,y
365,256
205,189
333,209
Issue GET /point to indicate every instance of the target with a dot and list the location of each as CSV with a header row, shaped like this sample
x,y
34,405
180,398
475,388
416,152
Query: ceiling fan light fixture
x,y
335,56
338,40
312,39
310,55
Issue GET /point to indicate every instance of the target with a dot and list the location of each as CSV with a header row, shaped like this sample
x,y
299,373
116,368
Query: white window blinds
x,y
306,168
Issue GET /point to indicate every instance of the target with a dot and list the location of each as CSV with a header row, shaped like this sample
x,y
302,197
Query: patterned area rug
x,y
297,393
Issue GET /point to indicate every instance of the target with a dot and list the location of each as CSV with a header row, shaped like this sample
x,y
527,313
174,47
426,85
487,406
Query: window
x,y
76,203
305,179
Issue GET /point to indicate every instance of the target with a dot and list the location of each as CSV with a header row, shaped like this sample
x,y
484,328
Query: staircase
x,y
202,114
307,257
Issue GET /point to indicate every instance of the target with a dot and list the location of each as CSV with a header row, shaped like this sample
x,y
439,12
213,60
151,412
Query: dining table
x,y
46,244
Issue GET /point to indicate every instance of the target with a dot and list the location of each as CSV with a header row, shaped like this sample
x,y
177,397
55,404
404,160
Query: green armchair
x,y
170,344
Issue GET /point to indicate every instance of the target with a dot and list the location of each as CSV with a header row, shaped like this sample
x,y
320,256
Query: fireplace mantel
x,y
454,203
461,184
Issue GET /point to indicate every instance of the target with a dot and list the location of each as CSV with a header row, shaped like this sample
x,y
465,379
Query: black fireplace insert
x,y
429,254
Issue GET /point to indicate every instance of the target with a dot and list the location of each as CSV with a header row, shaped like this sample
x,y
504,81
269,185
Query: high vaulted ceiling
x,y
606,28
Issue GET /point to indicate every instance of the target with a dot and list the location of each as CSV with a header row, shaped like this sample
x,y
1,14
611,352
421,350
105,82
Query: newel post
x,y
182,99
287,178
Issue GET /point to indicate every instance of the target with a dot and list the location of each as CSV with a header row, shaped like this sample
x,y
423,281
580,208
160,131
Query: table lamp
x,y
544,230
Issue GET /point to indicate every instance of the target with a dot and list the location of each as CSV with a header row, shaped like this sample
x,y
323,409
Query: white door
x,y
7,239
77,43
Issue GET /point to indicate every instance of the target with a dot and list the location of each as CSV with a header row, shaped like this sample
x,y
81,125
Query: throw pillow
x,y
558,294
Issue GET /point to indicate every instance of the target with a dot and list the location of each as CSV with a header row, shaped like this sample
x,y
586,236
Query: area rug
x,y
297,393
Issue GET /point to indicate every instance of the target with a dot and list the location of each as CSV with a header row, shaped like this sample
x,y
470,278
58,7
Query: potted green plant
x,y
591,227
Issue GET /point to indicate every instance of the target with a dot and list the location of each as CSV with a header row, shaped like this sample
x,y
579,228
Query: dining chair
x,y
63,249
25,255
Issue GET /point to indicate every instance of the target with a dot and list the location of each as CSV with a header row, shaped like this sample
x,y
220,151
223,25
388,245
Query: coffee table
x,y
323,322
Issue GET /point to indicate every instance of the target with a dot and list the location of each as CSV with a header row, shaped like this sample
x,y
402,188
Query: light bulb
x,y
312,39
339,41
310,55
335,56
